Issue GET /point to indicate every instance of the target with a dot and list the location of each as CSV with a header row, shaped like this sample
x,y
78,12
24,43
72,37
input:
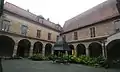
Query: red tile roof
x,y
98,13
24,13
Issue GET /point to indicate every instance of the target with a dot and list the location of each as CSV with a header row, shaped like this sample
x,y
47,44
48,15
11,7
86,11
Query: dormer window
x,y
58,27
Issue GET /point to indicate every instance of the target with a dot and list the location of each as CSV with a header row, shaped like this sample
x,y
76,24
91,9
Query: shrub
x,y
86,60
51,57
37,57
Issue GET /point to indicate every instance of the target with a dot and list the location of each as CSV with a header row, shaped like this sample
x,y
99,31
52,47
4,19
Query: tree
x,y
1,6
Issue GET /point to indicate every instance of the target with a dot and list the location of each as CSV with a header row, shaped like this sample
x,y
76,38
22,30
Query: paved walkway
x,y
47,66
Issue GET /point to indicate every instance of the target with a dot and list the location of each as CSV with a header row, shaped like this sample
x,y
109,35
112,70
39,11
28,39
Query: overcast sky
x,y
57,10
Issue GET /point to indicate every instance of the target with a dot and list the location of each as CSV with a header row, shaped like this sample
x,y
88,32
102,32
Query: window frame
x,y
115,25
38,33
76,35
49,36
92,31
5,26
24,32
57,37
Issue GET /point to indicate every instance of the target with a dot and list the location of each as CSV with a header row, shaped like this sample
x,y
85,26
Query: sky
x,y
58,11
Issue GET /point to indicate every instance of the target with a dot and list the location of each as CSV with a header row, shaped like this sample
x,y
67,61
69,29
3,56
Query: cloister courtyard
x,y
89,42
26,65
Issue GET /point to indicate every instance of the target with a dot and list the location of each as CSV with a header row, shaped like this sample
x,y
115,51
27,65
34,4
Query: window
x,y
65,37
57,37
38,33
5,25
75,36
24,29
49,36
92,32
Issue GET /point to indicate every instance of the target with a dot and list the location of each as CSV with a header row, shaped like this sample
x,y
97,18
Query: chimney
x,y
48,19
27,10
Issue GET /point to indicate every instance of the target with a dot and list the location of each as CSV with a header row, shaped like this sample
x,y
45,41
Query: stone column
x,y
103,50
15,49
52,50
43,51
87,52
73,52
66,52
31,50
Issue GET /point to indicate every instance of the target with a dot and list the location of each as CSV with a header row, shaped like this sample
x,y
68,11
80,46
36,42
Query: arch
x,y
113,49
72,48
81,50
6,45
95,49
23,48
38,46
48,49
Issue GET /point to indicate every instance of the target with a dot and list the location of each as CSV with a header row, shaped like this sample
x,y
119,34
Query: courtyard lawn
x,y
47,66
